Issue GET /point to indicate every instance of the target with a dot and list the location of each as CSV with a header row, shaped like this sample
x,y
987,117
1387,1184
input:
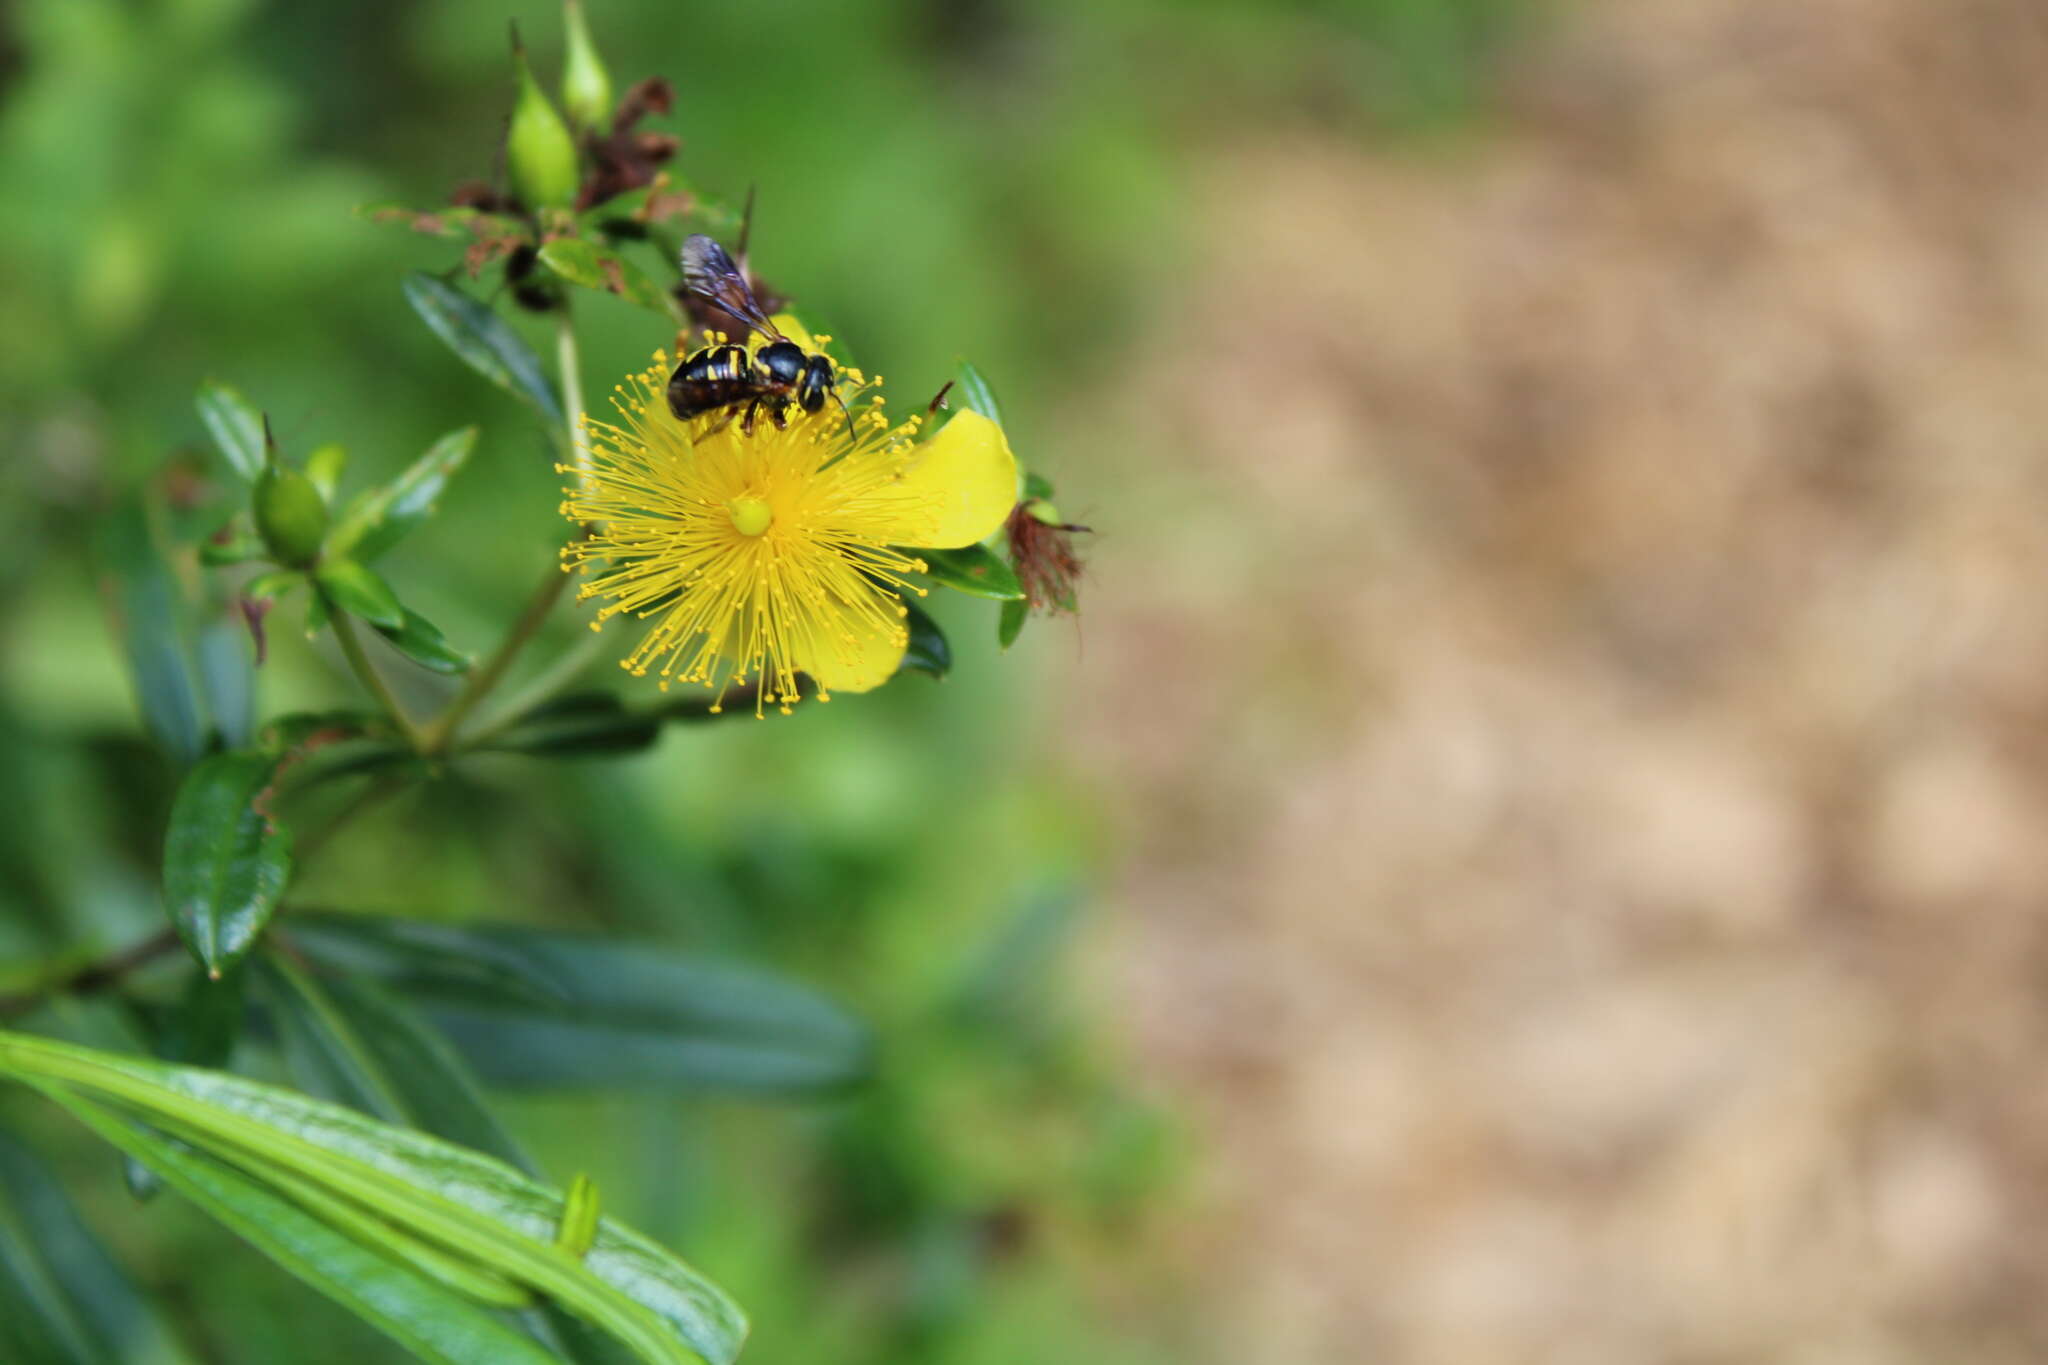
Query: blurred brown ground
x,y
1578,702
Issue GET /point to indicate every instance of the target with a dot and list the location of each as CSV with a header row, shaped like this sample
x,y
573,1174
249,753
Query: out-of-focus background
x,y
1534,848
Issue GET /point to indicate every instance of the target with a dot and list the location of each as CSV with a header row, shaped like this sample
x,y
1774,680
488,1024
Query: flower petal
x,y
961,482
860,664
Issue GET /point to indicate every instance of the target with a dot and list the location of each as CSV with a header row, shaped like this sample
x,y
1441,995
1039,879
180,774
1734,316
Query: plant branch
x,y
97,975
535,614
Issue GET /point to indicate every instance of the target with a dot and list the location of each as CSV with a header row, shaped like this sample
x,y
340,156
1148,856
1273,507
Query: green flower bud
x,y
586,85
538,149
291,515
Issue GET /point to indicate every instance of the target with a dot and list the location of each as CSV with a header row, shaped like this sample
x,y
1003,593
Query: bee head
x,y
817,381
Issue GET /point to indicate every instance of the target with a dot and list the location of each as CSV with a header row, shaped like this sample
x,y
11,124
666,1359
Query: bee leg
x,y
938,399
747,424
780,412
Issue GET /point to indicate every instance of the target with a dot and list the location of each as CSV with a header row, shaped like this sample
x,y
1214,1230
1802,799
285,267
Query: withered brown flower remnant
x,y
1042,552
625,159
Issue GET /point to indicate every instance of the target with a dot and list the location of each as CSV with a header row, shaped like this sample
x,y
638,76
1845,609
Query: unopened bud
x,y
586,85
291,515
538,149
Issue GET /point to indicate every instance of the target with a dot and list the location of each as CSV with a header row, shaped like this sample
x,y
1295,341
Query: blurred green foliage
x,y
995,180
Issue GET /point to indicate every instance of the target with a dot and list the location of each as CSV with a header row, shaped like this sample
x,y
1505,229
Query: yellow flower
x,y
758,555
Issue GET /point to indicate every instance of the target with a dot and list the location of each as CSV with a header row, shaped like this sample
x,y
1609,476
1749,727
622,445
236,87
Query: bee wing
x,y
711,275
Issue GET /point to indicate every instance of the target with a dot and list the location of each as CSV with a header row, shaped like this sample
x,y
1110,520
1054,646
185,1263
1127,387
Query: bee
x,y
733,377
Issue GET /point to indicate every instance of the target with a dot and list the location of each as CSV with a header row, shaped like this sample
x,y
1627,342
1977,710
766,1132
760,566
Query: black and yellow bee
x,y
733,376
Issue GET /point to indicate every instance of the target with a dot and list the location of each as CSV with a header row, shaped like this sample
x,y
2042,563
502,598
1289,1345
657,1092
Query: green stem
x,y
96,975
375,794
553,679
367,674
441,733
572,391
535,614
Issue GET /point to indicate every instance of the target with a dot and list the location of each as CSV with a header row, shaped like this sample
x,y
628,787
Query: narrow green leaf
x,y
484,341
324,467
350,1041
378,518
584,725
360,591
978,394
226,857
226,664
421,641
1011,623
321,1051
276,583
307,730
1037,486
590,266
200,1029
569,1010
147,609
928,652
317,613
578,1230
62,1297
439,959
436,1324
467,1204
974,570
236,427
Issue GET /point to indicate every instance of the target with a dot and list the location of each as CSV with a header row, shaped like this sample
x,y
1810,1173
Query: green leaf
x,y
276,583
360,591
1037,486
587,724
591,266
306,730
350,1041
62,1297
317,613
321,1051
324,467
201,1029
147,608
467,1205
974,570
226,858
236,427
378,518
1011,623
928,651
422,641
486,343
226,664
979,396
434,1322
436,958
633,1014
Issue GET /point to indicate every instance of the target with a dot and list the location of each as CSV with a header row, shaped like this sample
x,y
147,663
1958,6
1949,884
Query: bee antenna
x,y
851,435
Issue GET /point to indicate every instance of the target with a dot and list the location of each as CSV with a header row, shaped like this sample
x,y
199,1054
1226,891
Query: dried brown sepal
x,y
1043,555
624,159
